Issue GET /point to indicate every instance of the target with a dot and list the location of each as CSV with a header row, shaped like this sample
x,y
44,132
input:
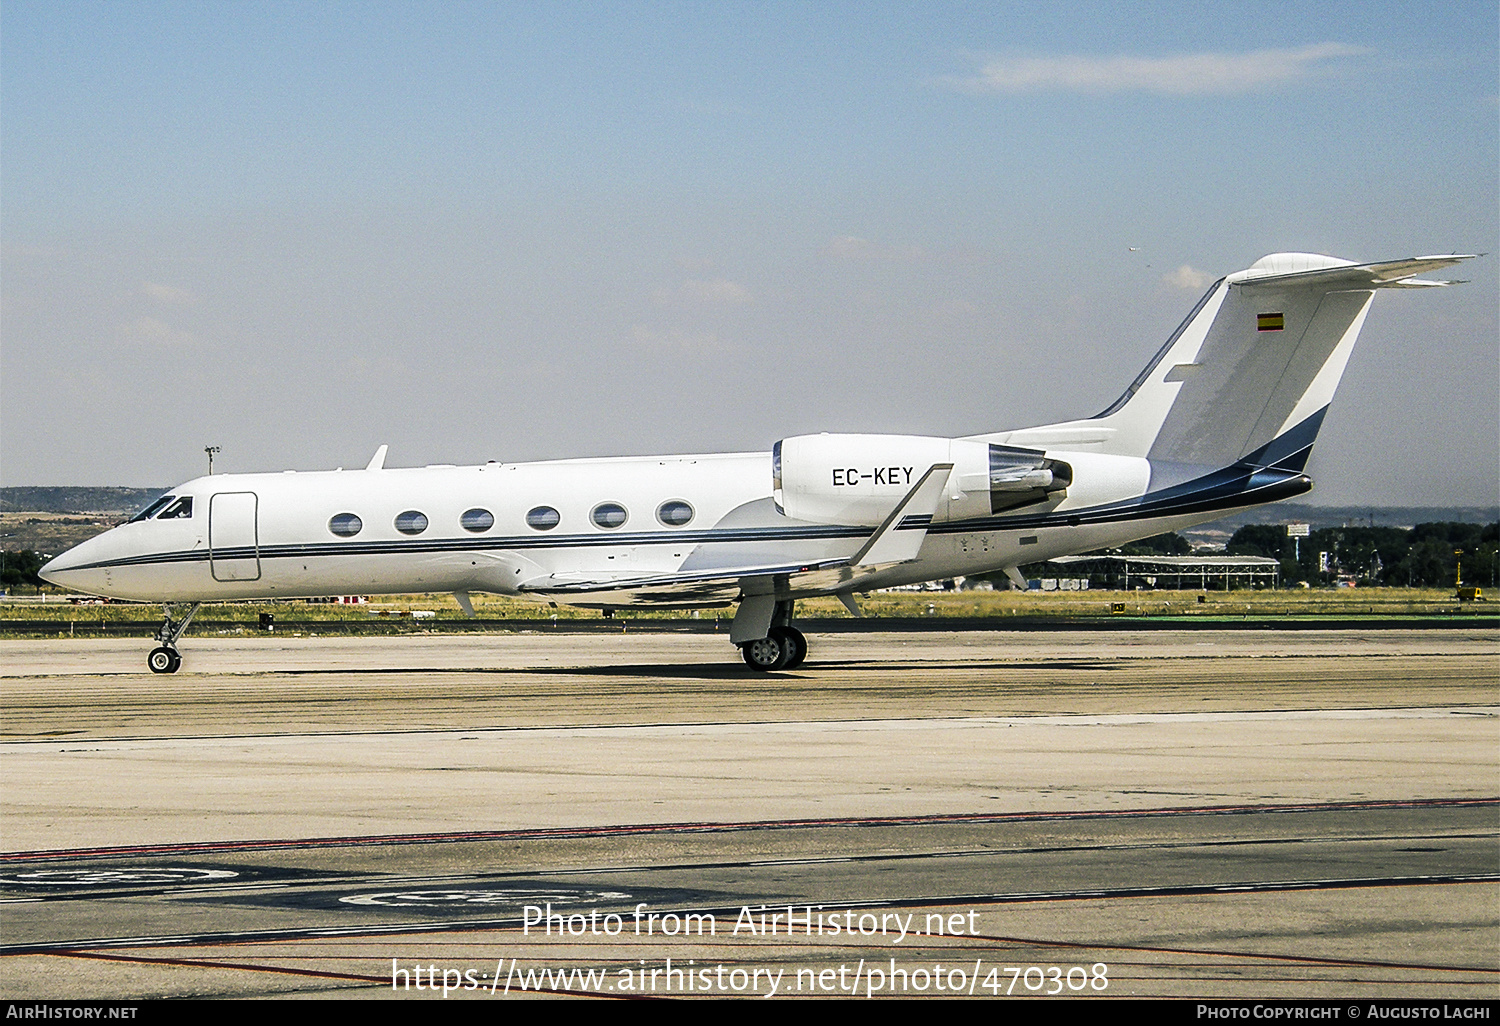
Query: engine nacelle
x,y
856,480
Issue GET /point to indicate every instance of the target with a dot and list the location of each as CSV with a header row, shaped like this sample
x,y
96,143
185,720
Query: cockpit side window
x,y
179,510
151,509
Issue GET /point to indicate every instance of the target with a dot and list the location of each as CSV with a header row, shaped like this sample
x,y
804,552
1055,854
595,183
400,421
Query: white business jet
x,y
1222,418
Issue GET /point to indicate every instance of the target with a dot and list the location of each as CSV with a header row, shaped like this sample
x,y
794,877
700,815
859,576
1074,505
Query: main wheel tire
x,y
767,655
794,642
163,660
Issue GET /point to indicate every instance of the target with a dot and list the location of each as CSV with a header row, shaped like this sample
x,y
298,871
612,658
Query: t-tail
x,y
1244,382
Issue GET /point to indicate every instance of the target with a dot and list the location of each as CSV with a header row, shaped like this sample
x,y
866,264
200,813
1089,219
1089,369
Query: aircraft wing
x,y
583,582
897,540
703,587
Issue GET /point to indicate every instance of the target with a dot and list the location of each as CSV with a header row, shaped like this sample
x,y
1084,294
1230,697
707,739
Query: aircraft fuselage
x,y
606,521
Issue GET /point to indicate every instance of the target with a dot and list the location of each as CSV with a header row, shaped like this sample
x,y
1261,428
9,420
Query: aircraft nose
x,y
69,570
54,568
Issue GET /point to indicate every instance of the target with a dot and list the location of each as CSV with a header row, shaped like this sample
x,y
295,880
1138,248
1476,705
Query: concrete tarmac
x,y
1203,813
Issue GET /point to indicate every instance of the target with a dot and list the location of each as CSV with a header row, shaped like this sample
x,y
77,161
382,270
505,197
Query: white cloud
x,y
155,332
167,294
1186,277
675,340
1180,74
714,292
852,247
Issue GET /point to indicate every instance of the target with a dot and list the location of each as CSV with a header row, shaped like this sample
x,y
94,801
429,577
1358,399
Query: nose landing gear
x,y
164,658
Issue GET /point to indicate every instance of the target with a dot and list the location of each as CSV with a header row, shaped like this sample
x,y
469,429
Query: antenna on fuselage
x,y
210,449
377,462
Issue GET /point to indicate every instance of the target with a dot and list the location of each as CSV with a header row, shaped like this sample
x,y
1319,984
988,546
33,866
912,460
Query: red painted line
x,y
1255,956
555,833
197,963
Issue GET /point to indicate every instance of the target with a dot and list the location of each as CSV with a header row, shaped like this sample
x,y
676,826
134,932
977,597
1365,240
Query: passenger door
x,y
233,539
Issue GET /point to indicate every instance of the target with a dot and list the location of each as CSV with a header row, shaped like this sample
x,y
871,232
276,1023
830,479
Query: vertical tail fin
x,y
1251,371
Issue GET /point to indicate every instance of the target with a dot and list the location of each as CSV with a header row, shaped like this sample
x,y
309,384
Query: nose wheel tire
x,y
783,649
164,660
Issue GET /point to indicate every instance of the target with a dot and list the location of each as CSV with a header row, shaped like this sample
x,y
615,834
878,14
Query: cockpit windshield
x,y
182,509
151,509
179,510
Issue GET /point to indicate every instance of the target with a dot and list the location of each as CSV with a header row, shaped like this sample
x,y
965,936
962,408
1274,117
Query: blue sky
x,y
476,231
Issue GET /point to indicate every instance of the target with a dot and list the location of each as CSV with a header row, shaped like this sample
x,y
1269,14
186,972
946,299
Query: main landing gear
x,y
783,649
164,658
763,631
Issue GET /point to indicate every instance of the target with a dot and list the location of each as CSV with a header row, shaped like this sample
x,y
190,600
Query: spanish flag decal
x,y
1269,322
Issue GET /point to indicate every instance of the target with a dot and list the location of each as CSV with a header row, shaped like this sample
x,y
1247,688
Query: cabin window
x,y
543,518
674,513
609,515
182,509
345,525
151,509
477,520
411,522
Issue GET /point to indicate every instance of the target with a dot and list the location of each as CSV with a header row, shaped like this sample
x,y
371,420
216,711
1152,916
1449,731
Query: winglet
x,y
377,462
900,538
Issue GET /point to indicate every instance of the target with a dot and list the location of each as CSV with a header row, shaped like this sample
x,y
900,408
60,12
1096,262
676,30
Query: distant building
x,y
1200,573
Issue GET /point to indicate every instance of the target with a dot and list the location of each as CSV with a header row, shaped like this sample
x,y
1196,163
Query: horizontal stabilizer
x,y
1386,274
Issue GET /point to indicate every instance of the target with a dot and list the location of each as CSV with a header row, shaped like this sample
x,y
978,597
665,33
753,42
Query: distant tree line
x,y
1422,556
1396,557
73,499
1169,544
19,569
